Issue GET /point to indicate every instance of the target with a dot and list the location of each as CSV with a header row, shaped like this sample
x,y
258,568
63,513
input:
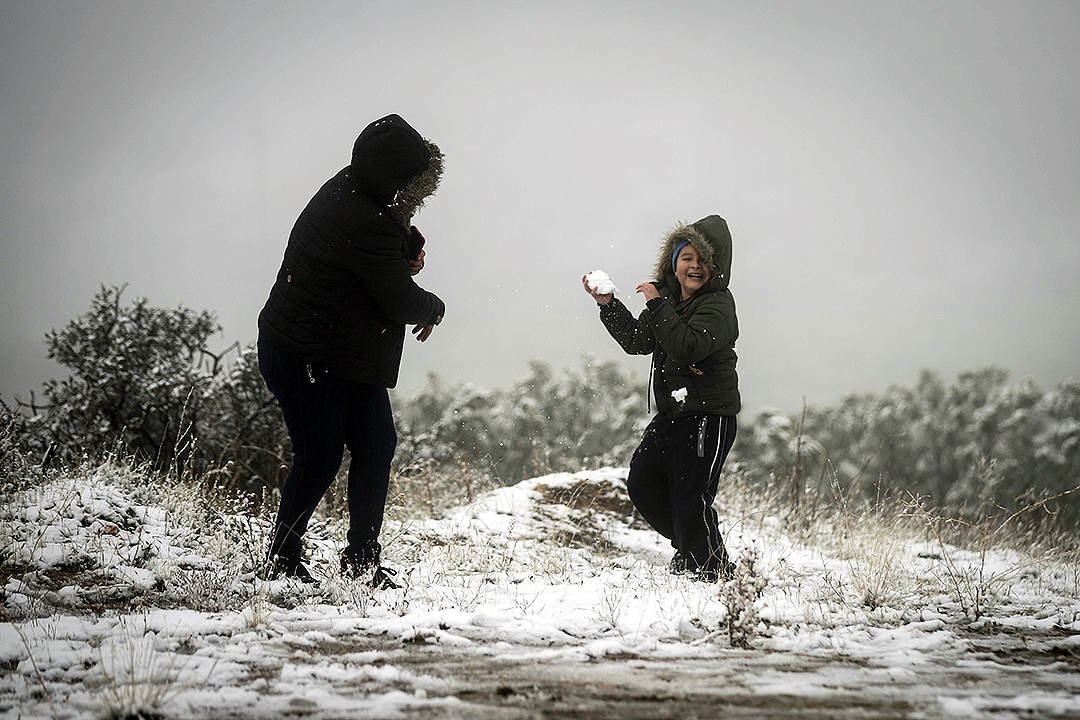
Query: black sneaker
x,y
361,562
287,566
383,579
358,561
376,576
678,563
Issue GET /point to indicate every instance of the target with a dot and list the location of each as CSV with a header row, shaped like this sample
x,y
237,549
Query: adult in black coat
x,y
332,330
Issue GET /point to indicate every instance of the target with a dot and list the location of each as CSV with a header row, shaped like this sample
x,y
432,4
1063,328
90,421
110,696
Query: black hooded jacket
x,y
344,292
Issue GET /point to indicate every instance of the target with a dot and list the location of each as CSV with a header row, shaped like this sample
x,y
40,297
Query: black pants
x,y
325,414
673,479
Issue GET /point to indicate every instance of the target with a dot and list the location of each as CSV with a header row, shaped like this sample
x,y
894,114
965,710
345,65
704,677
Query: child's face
x,y
691,271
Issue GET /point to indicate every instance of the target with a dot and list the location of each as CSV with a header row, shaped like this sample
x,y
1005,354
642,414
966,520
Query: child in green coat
x,y
689,327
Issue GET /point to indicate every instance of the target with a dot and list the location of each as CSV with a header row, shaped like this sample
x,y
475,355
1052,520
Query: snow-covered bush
x,y
740,595
546,422
243,432
139,375
15,440
144,381
932,441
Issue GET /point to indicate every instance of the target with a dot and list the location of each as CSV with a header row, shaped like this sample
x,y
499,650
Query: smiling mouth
x,y
695,276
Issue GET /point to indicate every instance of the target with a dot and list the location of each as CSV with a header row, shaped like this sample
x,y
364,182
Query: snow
x,y
679,395
600,282
527,600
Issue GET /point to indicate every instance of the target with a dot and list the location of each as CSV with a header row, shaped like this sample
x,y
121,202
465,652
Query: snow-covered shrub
x,y
868,540
136,679
425,489
545,422
740,595
210,589
144,382
977,553
929,440
774,450
15,441
243,431
139,375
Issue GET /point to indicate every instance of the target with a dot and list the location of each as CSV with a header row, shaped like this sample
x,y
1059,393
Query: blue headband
x,y
678,249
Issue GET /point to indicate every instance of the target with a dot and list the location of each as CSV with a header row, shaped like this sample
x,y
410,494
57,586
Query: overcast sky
x,y
901,180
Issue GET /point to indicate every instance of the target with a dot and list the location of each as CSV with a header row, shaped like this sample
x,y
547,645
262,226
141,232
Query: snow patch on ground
x,y
523,602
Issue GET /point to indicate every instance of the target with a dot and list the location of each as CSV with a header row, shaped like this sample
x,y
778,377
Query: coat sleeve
x,y
634,336
378,260
690,339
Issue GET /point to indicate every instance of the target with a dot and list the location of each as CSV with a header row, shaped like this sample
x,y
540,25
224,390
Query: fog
x,y
902,181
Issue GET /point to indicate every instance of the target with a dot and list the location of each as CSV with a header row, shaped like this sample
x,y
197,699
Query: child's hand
x,y
602,299
648,290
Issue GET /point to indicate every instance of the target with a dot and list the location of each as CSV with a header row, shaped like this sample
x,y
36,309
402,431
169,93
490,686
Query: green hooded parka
x,y
692,341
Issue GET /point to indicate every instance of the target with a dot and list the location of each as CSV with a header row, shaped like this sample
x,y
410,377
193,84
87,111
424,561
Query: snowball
x,y
600,282
679,395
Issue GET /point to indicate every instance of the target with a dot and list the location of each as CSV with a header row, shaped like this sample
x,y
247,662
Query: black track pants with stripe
x,y
673,479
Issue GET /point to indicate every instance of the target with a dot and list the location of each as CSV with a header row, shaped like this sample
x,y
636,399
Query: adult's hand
x,y
602,299
648,290
423,332
417,265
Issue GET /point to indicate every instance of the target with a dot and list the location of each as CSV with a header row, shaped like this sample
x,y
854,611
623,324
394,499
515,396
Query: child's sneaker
x,y
358,560
362,561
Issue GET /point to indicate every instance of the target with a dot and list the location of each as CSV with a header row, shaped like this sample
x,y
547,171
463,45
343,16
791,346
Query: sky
x,y
901,180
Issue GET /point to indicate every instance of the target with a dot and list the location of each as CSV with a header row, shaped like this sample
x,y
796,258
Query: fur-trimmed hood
x,y
411,198
711,238
395,165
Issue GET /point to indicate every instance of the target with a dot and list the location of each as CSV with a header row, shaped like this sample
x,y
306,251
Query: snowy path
x,y
337,667
544,600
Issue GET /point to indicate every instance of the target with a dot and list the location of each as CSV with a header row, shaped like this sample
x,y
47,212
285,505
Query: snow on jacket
x,y
344,292
692,341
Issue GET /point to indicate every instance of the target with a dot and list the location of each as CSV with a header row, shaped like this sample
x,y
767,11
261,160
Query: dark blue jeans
x,y
325,414
673,480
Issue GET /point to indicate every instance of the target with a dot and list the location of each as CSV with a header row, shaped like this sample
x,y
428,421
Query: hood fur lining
x,y
681,231
422,186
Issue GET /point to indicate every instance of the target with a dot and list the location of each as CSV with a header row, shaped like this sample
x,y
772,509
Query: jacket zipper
x,y
649,391
310,376
701,436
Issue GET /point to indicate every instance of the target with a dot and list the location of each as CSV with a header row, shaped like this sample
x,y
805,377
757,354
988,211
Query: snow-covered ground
x,y
546,599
